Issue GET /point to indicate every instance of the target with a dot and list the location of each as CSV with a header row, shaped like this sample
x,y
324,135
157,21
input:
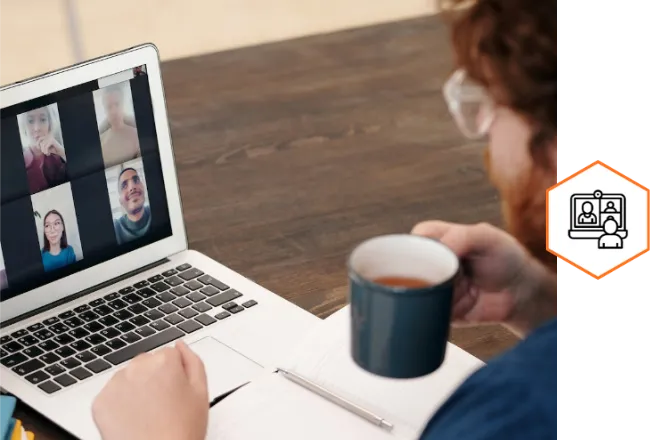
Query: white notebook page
x,y
273,407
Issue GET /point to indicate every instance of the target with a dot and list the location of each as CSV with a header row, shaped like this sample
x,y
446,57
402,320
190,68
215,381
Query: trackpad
x,y
226,369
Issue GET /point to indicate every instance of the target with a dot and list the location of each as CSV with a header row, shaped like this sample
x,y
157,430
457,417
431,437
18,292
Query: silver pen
x,y
343,403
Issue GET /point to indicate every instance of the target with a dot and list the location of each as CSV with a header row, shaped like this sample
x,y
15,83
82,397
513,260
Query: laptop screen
x,y
81,180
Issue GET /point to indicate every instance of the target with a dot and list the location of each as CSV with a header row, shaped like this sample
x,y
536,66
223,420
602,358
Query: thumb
x,y
193,366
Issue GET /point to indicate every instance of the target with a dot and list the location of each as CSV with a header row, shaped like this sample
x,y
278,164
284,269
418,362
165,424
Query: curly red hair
x,y
510,47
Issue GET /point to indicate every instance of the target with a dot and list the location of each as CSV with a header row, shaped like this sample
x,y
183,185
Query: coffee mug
x,y
401,291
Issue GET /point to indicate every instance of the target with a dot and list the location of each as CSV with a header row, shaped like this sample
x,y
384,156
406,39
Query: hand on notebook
x,y
500,281
161,395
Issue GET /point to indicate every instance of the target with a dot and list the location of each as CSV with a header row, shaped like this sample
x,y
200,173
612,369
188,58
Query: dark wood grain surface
x,y
290,154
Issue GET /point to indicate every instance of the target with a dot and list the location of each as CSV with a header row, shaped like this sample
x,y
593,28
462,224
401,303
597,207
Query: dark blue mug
x,y
401,293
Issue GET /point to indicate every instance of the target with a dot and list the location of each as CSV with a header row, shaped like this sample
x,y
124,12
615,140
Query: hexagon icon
x,y
598,220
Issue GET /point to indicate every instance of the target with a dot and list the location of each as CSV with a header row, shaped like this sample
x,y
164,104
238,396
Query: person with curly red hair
x,y
504,88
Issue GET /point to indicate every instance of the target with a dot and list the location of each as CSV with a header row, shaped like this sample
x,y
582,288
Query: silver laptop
x,y
94,262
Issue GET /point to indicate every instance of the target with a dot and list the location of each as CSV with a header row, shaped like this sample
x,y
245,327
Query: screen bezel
x,y
73,76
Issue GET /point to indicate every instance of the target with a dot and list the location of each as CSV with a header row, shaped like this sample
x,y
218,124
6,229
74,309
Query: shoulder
x,y
512,397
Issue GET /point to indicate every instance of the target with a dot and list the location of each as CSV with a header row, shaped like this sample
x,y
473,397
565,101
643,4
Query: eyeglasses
x,y
52,226
469,104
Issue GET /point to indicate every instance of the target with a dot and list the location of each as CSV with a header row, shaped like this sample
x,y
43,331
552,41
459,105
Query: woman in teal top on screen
x,y
56,251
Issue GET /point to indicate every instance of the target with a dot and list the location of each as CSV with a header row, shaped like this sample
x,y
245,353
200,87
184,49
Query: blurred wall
x,y
39,35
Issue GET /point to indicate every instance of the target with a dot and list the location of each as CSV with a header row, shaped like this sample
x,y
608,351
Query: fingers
x,y
433,229
463,240
193,365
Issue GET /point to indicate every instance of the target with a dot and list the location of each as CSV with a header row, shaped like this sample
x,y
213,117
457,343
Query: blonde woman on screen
x,y
43,152
120,140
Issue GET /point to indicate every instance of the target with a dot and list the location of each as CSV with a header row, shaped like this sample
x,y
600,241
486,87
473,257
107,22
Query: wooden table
x,y
289,154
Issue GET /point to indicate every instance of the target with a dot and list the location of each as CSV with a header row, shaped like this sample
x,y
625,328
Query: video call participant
x,y
120,140
56,252
137,218
44,156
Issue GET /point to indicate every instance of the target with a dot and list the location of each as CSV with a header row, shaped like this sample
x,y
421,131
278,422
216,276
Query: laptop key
x,y
81,373
33,351
155,278
236,309
154,314
141,284
223,298
13,359
109,321
169,273
66,315
103,310
183,267
126,290
89,316
19,334
205,319
64,339
173,319
195,296
137,309
181,303
125,327
85,356
95,339
37,377
250,303
116,344
190,274
48,345
98,366
144,345
59,328
117,304
82,308
146,292
80,345
180,291
190,326
229,305
209,290
132,298
130,337
193,285
168,308
51,321
202,307
93,327
151,303
188,313
111,296
145,331
208,280
28,340
110,333
70,363
35,327
28,367
64,352
159,325
139,321
79,333
5,339
50,358
174,281
100,350
96,302
165,297
65,380
3,353
74,322
123,315
49,387
160,286
55,370
12,347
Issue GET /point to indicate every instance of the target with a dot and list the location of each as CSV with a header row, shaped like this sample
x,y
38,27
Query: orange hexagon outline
x,y
548,191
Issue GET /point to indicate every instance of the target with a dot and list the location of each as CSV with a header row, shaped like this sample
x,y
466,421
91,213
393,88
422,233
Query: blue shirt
x,y
513,397
52,262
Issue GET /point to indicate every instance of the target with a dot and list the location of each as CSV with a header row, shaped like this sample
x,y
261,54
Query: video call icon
x,y
599,216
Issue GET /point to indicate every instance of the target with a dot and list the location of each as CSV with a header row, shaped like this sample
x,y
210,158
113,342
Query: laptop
x,y
94,262
590,211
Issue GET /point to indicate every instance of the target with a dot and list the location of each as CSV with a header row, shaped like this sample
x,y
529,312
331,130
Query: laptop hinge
x,y
85,292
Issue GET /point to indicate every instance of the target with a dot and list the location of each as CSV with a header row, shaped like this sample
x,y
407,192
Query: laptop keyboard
x,y
74,345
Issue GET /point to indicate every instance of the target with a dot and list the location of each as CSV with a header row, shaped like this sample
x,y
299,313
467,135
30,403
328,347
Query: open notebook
x,y
273,407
